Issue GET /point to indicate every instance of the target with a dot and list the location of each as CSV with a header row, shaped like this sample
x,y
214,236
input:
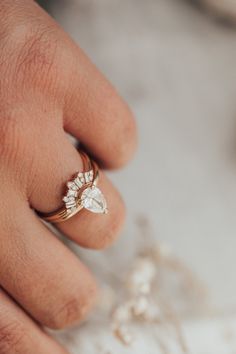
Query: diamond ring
x,y
81,192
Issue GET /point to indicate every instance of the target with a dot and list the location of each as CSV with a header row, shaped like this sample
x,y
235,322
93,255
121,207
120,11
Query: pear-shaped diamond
x,y
93,200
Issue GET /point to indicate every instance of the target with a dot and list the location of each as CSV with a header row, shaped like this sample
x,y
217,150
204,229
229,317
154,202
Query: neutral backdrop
x,y
175,65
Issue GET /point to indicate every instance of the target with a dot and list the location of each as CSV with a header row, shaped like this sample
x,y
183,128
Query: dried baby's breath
x,y
146,298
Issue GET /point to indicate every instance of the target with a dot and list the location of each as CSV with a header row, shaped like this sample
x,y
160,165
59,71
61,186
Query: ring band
x,y
82,192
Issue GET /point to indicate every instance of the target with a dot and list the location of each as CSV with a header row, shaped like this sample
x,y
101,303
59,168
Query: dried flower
x,y
123,334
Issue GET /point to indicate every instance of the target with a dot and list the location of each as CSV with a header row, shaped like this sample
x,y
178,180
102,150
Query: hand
x,y
48,88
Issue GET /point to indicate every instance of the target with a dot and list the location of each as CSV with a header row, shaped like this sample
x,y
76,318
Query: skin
x,y
48,87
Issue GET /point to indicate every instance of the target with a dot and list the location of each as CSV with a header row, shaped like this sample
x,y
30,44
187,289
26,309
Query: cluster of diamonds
x,y
74,187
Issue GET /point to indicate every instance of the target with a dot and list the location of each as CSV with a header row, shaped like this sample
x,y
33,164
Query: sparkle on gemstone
x,y
93,200
71,193
86,176
70,204
72,185
78,182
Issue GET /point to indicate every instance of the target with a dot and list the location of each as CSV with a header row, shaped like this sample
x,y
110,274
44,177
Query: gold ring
x,y
82,192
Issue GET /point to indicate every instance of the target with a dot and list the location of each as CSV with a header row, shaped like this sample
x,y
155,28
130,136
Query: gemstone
x,y
78,182
93,200
71,193
90,176
72,185
86,176
70,205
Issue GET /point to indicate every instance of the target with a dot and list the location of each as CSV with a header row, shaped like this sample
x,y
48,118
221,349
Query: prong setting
x,y
82,190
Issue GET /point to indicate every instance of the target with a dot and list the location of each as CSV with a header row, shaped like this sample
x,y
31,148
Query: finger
x,y
19,334
97,116
42,275
93,111
86,228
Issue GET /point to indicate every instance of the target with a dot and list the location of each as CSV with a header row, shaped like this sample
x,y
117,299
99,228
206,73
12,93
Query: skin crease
x,y
48,87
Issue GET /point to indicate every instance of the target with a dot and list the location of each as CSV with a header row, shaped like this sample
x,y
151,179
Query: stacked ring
x,y
81,192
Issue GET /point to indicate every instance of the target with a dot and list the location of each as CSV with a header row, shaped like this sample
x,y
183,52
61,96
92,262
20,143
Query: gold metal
x,y
63,213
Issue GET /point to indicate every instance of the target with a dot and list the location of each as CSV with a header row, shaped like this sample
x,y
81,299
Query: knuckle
x,y
31,57
31,61
66,314
71,311
12,338
36,59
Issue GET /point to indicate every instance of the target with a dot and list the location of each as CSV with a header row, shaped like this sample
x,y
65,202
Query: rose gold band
x,y
81,193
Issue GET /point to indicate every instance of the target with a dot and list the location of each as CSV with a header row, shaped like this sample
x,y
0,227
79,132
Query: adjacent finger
x,y
42,275
97,116
48,62
19,334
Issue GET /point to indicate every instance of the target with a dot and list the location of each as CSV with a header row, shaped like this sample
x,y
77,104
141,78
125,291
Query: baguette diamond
x,y
81,192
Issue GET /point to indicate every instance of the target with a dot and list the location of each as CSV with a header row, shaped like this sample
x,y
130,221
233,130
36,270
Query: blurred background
x,y
174,62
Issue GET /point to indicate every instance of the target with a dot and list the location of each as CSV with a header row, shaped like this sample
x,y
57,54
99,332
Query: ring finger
x,y
86,228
